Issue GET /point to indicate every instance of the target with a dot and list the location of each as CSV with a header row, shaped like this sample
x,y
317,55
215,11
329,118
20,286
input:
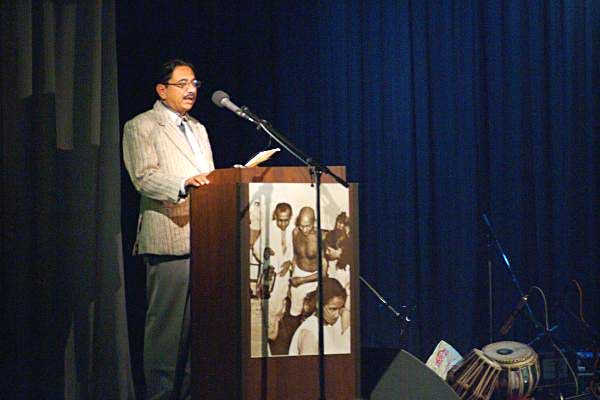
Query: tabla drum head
x,y
509,353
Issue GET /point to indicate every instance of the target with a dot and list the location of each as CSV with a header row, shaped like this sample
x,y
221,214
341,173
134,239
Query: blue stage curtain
x,y
442,111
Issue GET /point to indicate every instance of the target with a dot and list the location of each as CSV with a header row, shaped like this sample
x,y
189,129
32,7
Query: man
x,y
338,250
338,239
304,276
306,338
272,249
277,241
165,152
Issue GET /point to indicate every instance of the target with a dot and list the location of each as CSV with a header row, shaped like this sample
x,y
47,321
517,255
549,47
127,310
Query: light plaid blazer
x,y
158,157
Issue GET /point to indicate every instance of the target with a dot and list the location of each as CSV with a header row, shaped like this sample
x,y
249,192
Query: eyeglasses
x,y
185,83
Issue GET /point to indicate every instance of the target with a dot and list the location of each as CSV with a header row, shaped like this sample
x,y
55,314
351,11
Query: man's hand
x,y
297,281
333,252
285,268
270,251
197,180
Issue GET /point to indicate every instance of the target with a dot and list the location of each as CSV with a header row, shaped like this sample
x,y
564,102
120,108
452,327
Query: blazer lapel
x,y
199,134
174,134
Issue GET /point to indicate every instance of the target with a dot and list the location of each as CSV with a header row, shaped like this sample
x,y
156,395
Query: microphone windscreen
x,y
218,97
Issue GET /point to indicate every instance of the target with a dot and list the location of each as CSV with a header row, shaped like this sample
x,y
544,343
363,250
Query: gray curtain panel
x,y
63,301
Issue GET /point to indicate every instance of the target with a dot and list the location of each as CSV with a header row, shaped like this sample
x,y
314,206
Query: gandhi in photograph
x,y
304,275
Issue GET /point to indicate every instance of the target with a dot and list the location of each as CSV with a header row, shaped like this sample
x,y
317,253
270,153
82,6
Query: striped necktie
x,y
194,145
181,126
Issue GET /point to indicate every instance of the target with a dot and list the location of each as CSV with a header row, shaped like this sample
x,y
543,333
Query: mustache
x,y
190,96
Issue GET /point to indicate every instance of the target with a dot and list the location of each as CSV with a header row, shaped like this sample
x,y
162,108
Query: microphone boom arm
x,y
510,269
286,144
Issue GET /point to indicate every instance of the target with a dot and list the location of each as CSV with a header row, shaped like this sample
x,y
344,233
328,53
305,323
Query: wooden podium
x,y
222,366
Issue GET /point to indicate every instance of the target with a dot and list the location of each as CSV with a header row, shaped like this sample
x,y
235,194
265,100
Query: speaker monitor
x,y
407,378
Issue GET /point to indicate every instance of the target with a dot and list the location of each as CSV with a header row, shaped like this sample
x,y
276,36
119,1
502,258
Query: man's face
x,y
179,99
282,219
331,310
306,224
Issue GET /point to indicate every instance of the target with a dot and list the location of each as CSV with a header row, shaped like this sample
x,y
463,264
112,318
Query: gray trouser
x,y
167,287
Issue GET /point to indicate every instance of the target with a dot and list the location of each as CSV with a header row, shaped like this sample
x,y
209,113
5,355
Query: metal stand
x,y
316,170
490,289
498,246
317,176
403,318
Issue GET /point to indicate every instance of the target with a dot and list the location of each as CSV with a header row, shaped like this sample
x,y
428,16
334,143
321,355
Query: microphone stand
x,y
544,331
494,240
490,287
316,170
404,318
289,146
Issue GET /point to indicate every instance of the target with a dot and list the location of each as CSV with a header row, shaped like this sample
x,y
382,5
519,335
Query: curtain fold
x,y
442,111
63,298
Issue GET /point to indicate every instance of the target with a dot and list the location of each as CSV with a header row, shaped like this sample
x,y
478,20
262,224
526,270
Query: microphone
x,y
511,318
221,99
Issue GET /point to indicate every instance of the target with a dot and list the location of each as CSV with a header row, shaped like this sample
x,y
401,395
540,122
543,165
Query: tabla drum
x,y
475,377
520,369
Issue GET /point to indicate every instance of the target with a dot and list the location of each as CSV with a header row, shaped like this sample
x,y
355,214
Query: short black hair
x,y
166,70
332,288
281,207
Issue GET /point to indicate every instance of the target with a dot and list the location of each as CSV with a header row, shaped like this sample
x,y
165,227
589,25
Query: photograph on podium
x,y
282,264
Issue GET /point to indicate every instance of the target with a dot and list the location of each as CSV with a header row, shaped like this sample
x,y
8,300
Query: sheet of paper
x,y
261,157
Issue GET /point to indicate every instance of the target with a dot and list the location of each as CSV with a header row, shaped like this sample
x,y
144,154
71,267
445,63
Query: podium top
x,y
271,175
